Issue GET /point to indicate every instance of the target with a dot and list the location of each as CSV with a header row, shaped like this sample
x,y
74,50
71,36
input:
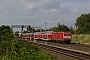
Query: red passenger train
x,y
49,36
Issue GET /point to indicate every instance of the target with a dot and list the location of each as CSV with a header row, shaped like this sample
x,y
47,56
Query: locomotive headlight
x,y
67,36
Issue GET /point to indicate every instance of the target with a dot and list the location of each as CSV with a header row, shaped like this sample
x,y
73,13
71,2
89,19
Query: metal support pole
x,y
45,26
74,28
30,36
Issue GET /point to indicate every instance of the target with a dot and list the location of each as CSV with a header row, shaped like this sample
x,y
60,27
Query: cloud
x,y
75,10
37,12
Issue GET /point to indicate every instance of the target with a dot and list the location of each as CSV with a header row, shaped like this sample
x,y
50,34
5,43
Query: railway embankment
x,y
81,38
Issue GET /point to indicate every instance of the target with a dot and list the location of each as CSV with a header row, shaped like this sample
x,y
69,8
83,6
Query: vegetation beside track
x,y
18,50
12,49
82,38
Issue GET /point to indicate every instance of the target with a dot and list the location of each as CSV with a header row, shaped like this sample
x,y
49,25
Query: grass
x,y
82,38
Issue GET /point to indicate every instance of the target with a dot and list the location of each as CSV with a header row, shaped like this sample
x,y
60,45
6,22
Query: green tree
x,y
6,33
17,49
60,28
53,29
71,29
83,23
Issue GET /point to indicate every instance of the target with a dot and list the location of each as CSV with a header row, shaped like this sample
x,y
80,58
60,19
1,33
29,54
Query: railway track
x,y
62,49
80,47
65,51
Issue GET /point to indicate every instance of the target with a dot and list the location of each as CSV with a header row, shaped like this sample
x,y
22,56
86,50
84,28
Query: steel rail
x,y
66,51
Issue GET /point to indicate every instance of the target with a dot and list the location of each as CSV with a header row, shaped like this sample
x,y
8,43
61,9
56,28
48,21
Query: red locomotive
x,y
50,36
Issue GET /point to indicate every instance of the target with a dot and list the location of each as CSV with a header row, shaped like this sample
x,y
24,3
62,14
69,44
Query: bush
x,y
17,50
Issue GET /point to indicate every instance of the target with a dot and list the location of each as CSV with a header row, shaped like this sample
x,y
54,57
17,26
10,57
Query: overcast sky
x,y
37,12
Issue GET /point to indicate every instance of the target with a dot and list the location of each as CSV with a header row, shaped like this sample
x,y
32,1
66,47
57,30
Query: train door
x,y
49,37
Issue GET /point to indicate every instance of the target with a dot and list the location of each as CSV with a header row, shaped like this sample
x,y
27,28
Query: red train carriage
x,y
42,36
27,36
54,36
62,37
50,36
